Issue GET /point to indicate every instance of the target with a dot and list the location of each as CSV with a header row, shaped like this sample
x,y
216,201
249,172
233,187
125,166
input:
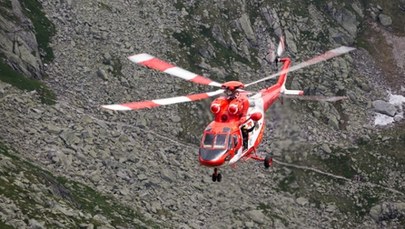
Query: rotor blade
x,y
149,61
159,102
326,56
315,97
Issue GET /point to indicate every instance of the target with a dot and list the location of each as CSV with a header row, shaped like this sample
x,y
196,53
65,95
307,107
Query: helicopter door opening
x,y
233,142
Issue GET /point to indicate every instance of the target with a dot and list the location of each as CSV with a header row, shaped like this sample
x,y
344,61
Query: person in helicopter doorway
x,y
245,135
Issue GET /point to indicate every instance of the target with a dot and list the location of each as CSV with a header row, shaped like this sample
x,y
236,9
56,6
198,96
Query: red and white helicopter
x,y
238,125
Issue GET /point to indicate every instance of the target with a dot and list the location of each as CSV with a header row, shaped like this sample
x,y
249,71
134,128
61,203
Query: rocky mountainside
x,y
70,164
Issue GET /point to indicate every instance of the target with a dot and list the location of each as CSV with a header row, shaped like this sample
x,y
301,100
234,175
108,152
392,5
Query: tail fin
x,y
273,54
281,47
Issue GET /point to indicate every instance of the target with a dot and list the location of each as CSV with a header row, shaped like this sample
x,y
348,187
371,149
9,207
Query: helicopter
x,y
238,126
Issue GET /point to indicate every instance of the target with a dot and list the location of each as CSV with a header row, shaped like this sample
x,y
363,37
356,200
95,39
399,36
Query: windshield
x,y
220,141
216,141
208,140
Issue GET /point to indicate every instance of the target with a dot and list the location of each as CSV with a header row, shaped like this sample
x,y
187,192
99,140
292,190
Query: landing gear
x,y
268,161
216,176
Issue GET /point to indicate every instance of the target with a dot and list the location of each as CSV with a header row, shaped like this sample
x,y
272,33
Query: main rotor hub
x,y
232,85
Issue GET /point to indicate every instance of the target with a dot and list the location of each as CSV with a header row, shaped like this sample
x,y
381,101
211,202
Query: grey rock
x,y
34,224
289,39
398,117
347,20
302,201
385,20
358,8
69,137
102,74
249,224
330,208
257,216
332,121
247,28
383,107
175,118
52,129
326,148
218,35
270,14
278,224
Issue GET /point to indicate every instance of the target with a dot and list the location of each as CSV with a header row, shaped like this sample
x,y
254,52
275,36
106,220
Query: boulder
x,y
383,107
385,20
302,201
257,216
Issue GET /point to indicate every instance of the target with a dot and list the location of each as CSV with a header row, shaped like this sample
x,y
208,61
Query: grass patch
x,y
105,6
117,67
5,226
284,184
44,29
267,210
9,75
340,165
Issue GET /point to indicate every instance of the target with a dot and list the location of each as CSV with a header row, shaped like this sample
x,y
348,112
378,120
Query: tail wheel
x,y
268,161
214,177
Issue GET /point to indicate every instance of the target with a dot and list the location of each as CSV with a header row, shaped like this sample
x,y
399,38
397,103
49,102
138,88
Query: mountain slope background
x,y
67,163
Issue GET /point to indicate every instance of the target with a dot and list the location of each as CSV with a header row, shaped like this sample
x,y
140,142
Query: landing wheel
x,y
219,177
268,161
216,176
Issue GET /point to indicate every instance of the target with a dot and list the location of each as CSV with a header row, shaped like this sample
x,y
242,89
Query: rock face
x,y
17,41
147,160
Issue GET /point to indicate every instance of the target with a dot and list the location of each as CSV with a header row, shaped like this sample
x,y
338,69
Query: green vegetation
x,y
29,186
44,29
6,4
105,6
5,226
267,210
9,75
284,184
117,67
340,165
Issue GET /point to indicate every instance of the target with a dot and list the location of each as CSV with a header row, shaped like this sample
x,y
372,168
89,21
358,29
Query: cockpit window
x,y
220,141
216,141
208,140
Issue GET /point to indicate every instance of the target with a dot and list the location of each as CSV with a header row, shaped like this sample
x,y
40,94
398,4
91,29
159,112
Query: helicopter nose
x,y
212,157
